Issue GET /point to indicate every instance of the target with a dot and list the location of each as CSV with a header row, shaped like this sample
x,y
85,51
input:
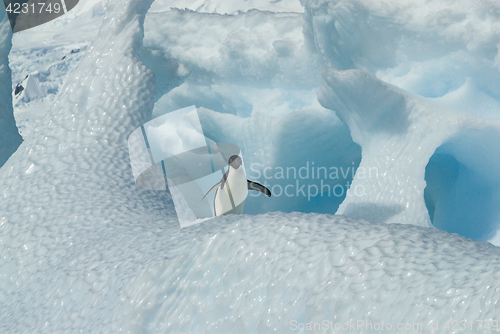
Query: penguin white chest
x,y
233,193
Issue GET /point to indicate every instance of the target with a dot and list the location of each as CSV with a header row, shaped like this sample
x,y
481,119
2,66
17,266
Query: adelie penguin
x,y
232,189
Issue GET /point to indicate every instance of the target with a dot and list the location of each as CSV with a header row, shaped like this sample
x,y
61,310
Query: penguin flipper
x,y
211,189
259,187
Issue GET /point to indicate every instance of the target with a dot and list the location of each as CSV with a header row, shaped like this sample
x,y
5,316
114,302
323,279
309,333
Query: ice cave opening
x,y
463,185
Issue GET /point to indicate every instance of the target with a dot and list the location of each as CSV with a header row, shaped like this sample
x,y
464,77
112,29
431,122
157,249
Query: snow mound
x,y
70,178
263,274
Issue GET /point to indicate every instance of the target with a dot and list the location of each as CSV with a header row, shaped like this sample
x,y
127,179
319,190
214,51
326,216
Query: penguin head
x,y
234,161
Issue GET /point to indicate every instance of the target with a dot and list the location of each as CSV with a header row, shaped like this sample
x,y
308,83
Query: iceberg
x,y
83,249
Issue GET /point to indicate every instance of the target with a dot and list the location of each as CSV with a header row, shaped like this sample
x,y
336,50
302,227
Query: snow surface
x,y
85,250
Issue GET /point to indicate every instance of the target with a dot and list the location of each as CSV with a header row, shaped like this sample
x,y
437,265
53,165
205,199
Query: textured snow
x,y
85,250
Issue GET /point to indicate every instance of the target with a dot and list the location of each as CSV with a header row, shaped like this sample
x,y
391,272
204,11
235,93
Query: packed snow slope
x,y
84,250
